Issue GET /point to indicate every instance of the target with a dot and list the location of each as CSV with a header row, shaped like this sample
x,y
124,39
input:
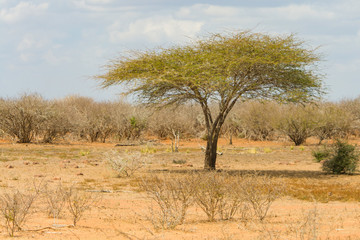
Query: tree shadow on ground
x,y
270,173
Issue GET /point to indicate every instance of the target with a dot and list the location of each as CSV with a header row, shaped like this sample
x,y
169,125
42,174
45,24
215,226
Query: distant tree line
x,y
31,118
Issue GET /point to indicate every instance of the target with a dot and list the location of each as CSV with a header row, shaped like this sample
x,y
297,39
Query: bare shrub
x,y
260,192
332,121
55,200
233,202
258,120
15,208
92,120
57,122
167,121
304,228
99,122
125,164
78,203
218,194
22,118
352,107
131,123
173,196
232,127
297,122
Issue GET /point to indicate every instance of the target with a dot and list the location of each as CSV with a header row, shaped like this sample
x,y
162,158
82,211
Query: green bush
x,y
321,154
342,160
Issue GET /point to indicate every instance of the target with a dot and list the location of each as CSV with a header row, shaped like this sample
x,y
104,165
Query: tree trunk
x,y
211,151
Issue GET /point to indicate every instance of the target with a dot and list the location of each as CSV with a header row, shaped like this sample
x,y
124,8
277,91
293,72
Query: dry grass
x,y
322,190
274,167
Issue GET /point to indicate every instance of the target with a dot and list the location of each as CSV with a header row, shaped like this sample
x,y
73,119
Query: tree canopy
x,y
223,69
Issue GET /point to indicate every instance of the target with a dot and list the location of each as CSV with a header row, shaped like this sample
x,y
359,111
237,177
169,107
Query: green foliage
x,y
133,122
321,154
342,160
220,66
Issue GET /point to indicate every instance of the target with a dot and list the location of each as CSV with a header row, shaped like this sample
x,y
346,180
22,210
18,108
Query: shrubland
x,y
31,118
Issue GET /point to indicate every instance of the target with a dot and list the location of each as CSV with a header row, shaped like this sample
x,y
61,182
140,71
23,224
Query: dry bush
x,y
332,121
258,119
182,119
210,193
99,122
75,106
57,123
131,121
92,120
352,107
125,164
304,228
78,203
260,192
232,127
218,194
15,209
55,200
297,122
22,118
173,195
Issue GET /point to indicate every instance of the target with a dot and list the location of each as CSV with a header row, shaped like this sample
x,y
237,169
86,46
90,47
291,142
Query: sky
x,y
54,47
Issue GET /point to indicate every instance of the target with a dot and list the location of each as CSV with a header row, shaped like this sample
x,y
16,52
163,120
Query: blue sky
x,y
54,47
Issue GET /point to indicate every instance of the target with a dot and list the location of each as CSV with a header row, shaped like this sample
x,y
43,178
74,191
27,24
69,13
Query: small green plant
x,y
267,150
84,153
180,161
252,150
343,159
321,154
148,150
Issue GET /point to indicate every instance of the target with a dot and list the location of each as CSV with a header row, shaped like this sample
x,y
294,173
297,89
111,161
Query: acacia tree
x,y
223,69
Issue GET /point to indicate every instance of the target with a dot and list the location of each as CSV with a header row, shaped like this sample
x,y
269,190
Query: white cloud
x,y
99,1
25,57
156,29
50,58
297,12
22,10
29,42
40,48
213,10
207,10
99,5
251,16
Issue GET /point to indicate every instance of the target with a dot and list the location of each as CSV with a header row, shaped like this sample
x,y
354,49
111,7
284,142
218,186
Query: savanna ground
x,y
313,205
